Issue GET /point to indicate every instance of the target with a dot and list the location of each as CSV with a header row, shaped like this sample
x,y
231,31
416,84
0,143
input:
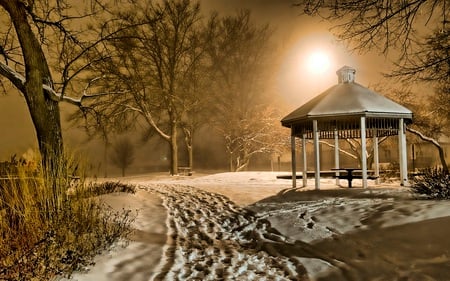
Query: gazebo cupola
x,y
346,74
348,110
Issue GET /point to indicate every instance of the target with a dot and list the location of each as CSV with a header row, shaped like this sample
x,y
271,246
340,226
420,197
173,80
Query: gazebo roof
x,y
347,111
347,99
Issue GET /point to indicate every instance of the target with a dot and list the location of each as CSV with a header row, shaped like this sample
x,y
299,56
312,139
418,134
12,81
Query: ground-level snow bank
x,y
252,226
133,260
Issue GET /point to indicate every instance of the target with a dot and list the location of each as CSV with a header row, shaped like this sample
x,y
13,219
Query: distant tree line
x,y
167,69
171,71
161,67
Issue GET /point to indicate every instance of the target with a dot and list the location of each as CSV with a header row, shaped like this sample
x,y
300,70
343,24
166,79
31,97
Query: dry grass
x,y
45,232
94,189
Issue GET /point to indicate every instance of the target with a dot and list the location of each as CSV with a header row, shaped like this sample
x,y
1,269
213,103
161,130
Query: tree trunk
x,y
173,150
105,158
191,157
231,162
48,130
188,139
43,109
435,143
243,164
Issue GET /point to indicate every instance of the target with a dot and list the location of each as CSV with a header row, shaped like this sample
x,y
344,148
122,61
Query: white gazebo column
x,y
363,152
403,153
305,163
316,155
293,161
336,155
376,158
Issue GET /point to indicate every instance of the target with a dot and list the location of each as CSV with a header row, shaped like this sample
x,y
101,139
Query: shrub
x,y
45,232
433,183
94,189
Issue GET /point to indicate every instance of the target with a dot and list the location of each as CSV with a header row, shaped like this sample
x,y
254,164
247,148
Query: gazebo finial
x,y
346,74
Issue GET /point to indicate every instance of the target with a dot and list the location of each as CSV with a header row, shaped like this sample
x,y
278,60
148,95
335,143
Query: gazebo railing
x,y
347,128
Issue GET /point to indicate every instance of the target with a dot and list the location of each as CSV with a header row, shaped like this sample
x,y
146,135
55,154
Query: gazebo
x,y
348,110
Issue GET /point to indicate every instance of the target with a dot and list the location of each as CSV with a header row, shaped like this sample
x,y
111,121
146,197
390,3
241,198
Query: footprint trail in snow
x,y
211,238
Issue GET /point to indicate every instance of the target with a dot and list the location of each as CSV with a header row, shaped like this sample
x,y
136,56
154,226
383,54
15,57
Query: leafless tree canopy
x,y
431,117
47,49
239,57
123,154
171,70
152,77
415,32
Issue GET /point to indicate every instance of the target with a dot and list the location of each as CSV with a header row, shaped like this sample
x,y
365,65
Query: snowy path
x,y
211,238
251,226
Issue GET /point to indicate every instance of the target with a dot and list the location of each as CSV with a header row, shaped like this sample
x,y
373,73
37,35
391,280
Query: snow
x,y
253,226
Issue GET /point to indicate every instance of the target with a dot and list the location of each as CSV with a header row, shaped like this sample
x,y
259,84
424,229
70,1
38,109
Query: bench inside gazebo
x,y
348,110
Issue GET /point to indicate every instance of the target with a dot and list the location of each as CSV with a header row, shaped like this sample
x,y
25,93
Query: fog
x,y
294,38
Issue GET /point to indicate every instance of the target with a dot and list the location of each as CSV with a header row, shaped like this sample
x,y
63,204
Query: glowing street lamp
x,y
318,62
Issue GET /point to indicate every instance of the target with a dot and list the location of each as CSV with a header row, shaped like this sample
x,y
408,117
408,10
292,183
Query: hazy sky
x,y
295,37
298,37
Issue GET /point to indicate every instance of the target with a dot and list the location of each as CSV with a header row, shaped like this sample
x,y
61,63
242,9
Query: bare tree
x,y
431,118
415,33
123,154
255,134
241,112
38,41
150,66
43,108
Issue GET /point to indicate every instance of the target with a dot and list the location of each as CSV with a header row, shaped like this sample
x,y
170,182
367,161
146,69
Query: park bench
x,y
185,171
326,174
349,176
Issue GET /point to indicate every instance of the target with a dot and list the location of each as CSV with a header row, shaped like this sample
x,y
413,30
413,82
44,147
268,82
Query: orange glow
x,y
309,66
318,62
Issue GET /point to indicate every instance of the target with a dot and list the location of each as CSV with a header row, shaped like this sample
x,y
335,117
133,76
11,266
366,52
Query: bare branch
x,y
340,149
392,27
435,143
16,78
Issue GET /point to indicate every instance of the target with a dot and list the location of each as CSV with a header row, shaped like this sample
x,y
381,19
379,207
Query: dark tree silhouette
x,y
158,52
36,74
238,52
42,56
122,154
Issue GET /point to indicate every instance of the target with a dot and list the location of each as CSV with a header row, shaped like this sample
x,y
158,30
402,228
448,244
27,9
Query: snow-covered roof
x,y
347,99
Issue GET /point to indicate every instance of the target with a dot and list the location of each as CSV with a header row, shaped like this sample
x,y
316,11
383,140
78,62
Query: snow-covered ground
x,y
253,226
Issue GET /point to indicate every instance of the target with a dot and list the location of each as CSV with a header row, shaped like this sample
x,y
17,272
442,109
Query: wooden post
x,y
336,154
293,161
403,153
376,158
305,163
316,155
363,152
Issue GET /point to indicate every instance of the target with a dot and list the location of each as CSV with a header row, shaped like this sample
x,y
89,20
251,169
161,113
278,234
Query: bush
x,y
433,183
44,232
94,189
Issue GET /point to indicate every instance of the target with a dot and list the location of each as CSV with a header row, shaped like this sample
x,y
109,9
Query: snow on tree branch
x,y
423,137
16,78
19,81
